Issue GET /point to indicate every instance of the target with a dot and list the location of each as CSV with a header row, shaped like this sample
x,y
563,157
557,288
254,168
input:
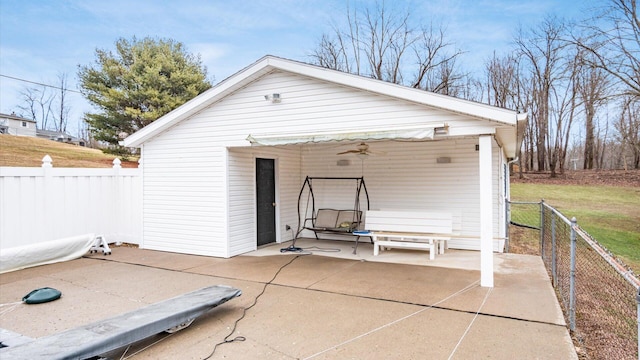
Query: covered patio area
x,y
243,149
318,305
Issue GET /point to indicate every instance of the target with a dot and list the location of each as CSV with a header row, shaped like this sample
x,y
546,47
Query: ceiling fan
x,y
361,149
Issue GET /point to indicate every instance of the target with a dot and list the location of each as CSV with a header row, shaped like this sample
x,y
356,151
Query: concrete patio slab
x,y
522,340
399,282
260,269
165,260
317,307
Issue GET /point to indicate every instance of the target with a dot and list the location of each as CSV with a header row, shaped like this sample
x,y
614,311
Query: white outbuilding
x,y
222,174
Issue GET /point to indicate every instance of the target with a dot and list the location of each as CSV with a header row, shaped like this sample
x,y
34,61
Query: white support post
x,y
486,211
47,229
116,199
47,162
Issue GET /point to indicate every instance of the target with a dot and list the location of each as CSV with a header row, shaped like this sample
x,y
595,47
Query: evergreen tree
x,y
139,83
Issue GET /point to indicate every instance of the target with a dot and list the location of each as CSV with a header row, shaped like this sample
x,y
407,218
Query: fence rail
x,y
46,203
599,295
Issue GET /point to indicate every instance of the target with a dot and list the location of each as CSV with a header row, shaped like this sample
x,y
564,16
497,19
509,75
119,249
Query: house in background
x,y
61,137
212,166
16,125
19,126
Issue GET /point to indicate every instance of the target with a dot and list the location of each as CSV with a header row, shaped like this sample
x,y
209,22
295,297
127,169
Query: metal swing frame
x,y
361,188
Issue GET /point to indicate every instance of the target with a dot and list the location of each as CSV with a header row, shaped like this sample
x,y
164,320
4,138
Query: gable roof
x,y
270,63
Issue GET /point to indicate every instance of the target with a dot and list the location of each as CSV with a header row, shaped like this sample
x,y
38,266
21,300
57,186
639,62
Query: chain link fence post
x,y
542,229
638,318
554,273
572,278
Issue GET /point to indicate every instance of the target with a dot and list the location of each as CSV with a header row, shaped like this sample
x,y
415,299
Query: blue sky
x,y
41,39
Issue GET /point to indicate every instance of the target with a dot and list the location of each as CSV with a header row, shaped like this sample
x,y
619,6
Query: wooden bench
x,y
420,230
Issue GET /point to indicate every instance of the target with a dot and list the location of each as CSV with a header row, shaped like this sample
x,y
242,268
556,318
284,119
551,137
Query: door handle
x,y
273,204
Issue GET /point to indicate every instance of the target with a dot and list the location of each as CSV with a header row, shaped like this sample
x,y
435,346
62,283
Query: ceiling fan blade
x,y
348,152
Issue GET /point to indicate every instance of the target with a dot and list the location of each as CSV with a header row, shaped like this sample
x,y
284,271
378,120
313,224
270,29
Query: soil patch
x,y
623,178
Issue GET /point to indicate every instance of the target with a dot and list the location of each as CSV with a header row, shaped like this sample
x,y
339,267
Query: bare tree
x,y
63,109
613,40
563,110
386,37
49,109
508,86
472,89
601,144
330,54
446,79
592,84
333,52
628,127
436,65
373,45
502,80
37,102
524,100
543,47
378,43
29,97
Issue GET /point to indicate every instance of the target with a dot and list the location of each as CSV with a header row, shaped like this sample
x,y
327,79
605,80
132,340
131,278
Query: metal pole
x,y
638,316
542,228
572,278
507,217
553,252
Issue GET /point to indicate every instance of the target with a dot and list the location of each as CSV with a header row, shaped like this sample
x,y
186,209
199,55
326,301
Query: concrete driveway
x,y
325,305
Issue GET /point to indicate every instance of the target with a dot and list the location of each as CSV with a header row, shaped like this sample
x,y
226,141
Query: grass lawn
x,y
611,214
27,151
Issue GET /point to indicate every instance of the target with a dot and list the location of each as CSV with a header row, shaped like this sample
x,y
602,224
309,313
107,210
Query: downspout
x,y
507,201
521,121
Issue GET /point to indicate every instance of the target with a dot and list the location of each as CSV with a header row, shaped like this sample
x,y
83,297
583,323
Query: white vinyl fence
x,y
44,204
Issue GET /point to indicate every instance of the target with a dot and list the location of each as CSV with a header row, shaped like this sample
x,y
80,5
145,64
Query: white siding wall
x,y
309,106
242,206
198,195
406,176
184,207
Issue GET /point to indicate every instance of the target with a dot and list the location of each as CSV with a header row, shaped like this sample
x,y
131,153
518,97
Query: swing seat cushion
x,y
337,220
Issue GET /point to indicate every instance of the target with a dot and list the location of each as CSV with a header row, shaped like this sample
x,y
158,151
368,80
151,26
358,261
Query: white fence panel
x,y
44,204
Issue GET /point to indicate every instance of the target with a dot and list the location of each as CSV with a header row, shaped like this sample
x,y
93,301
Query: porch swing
x,y
329,220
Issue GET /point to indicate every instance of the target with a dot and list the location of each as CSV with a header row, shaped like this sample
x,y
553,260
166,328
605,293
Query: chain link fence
x,y
598,294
